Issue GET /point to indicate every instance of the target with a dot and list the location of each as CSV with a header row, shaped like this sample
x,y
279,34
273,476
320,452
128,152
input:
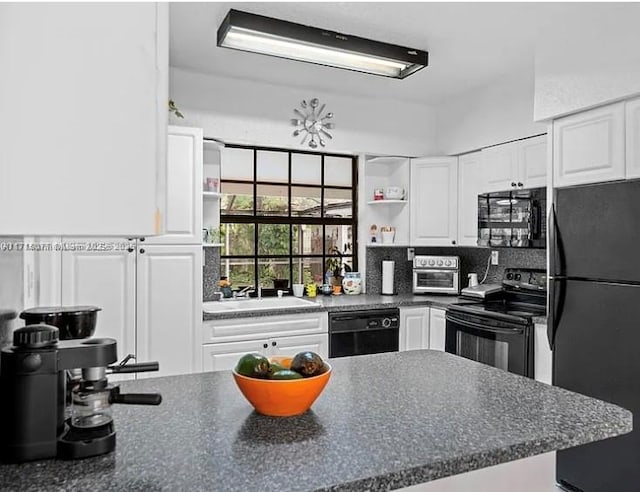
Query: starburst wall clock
x,y
313,122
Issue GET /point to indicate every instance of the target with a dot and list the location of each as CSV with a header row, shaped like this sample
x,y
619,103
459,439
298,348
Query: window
x,y
283,213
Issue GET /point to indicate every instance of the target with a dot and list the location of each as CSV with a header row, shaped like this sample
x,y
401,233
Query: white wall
x,y
249,112
591,59
488,115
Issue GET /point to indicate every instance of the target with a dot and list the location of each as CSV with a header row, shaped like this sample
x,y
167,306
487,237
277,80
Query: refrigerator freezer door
x,y
597,232
597,353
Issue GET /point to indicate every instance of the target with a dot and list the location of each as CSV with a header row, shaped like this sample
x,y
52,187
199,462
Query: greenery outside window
x,y
286,216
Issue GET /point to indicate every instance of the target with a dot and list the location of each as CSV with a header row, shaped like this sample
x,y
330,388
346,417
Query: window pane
x,y
338,203
337,171
237,164
272,200
240,272
273,269
307,270
338,239
305,201
306,169
237,199
273,166
307,239
273,239
237,239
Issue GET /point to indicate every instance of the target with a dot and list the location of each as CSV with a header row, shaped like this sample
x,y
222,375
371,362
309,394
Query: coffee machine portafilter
x,y
46,409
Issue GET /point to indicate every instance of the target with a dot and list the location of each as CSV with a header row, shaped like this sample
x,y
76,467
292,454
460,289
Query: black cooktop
x,y
523,297
502,307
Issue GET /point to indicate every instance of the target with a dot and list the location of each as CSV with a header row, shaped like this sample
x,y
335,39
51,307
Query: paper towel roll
x,y
388,272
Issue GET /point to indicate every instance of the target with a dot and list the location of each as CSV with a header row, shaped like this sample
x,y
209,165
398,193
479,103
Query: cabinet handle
x,y
513,184
141,251
141,239
273,344
453,241
520,184
265,345
130,249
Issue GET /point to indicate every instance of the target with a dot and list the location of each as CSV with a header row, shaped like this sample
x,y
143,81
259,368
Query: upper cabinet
x,y
434,200
84,130
532,162
470,185
589,147
515,165
183,211
633,138
500,164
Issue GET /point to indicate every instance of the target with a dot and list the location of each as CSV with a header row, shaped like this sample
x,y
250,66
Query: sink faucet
x,y
245,292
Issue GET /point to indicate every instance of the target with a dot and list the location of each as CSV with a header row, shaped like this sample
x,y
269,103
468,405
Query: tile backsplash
x,y
472,260
210,272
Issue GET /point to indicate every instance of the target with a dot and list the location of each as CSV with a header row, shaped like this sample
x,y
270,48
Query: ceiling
x,y
469,44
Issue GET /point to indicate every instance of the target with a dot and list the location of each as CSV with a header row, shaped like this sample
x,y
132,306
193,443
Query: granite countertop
x,y
383,422
346,303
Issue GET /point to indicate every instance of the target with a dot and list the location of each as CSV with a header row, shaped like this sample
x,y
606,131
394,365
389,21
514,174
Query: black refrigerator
x,y
594,322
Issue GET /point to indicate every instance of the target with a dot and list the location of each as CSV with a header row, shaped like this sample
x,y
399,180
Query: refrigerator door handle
x,y
554,310
555,265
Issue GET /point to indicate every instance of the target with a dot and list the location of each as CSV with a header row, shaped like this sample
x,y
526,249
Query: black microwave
x,y
513,219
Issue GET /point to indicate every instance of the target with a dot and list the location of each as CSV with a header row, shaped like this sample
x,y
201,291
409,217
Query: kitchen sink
x,y
256,304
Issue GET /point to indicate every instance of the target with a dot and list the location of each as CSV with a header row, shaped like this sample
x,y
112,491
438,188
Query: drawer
x,y
239,329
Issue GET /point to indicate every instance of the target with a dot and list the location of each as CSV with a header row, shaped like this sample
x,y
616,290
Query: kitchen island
x,y
384,421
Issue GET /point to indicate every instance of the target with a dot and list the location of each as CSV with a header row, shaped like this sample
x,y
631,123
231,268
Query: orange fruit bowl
x,y
283,397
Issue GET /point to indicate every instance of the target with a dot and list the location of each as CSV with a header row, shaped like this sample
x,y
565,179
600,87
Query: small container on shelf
x,y
211,184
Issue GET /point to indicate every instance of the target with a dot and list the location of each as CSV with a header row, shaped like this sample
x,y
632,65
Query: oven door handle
x,y
480,327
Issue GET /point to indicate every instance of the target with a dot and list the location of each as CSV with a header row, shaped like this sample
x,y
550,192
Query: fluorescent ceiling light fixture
x,y
259,34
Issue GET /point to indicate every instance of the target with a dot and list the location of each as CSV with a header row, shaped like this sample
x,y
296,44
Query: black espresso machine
x,y
55,399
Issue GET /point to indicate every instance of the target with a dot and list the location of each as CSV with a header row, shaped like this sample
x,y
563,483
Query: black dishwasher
x,y
364,332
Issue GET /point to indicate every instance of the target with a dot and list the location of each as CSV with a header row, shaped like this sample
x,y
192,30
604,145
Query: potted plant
x,y
335,265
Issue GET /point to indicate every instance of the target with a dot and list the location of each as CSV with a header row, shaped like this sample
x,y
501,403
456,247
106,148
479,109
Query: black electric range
x,y
499,330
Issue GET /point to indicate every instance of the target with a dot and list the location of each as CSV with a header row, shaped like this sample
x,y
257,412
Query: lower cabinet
x,y
169,308
226,340
224,356
151,298
414,328
437,329
422,328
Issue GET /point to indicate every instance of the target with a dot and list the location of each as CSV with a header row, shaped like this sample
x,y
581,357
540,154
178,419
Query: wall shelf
x,y
387,202
212,245
211,194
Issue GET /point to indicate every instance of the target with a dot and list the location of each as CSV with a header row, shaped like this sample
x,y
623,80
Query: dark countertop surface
x,y
384,421
346,303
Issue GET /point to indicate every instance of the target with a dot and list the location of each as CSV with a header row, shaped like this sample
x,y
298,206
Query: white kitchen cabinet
x,y
589,147
515,165
437,329
434,201
86,141
414,328
106,278
183,216
633,138
532,162
251,328
225,356
500,167
542,364
169,317
290,346
470,185
226,340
